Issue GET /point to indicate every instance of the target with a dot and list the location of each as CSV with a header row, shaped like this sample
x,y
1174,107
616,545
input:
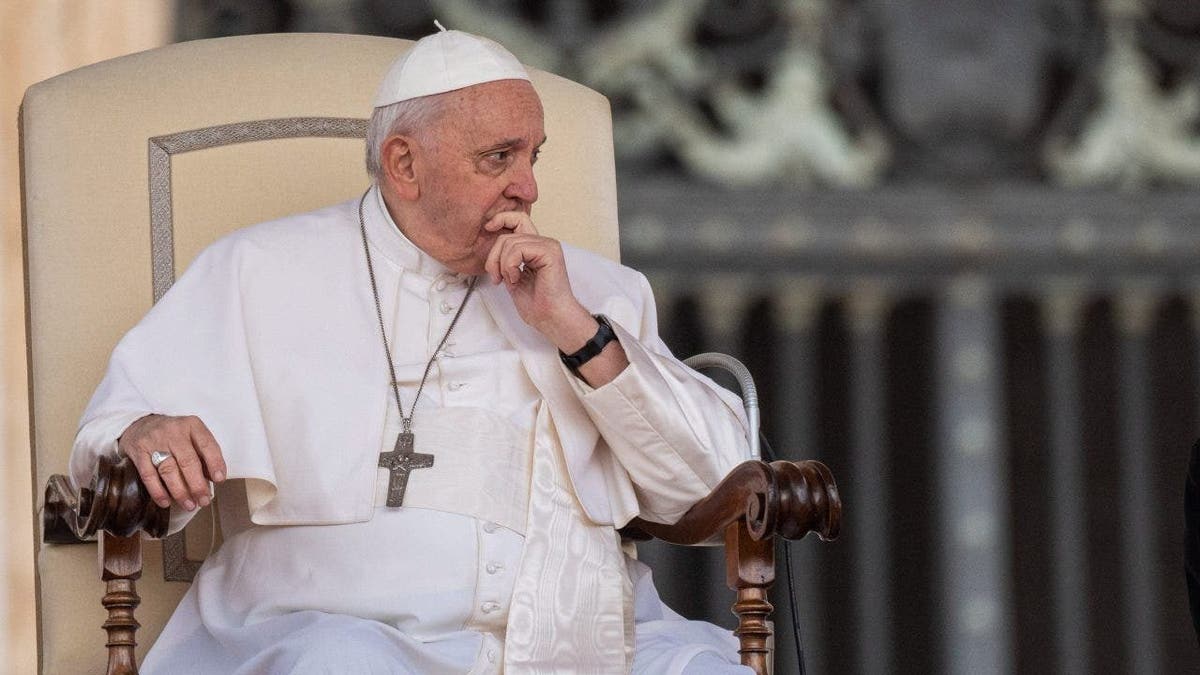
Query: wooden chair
x,y
130,167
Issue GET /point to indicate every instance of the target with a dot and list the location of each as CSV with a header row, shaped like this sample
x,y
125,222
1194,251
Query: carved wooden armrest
x,y
755,503
116,502
116,507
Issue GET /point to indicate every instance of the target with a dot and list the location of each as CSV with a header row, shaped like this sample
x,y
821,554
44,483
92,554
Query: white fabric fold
x,y
638,414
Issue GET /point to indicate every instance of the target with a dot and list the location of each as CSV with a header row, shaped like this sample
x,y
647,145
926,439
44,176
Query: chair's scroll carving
x,y
754,504
116,502
117,507
786,499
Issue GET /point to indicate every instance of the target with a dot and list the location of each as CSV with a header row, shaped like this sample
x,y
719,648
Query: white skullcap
x,y
445,61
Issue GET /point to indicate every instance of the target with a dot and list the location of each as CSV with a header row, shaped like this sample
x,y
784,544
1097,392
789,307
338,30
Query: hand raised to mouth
x,y
533,270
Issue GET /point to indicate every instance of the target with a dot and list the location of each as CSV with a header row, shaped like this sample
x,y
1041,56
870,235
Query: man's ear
x,y
398,167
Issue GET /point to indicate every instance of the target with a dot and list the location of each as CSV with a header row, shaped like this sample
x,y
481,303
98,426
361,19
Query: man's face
x,y
478,163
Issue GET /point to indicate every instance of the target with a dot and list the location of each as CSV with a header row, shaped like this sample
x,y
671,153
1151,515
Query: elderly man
x,y
437,417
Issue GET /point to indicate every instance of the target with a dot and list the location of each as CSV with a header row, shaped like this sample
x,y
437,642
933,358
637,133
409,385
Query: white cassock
x,y
505,554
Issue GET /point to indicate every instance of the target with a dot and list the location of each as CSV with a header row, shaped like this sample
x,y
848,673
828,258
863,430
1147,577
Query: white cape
x,y
270,339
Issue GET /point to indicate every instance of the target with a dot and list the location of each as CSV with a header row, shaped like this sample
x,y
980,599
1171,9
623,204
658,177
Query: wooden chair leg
x,y
750,570
121,565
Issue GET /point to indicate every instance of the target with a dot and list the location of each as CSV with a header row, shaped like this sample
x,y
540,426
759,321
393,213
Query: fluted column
x,y
972,492
1135,511
1062,313
1193,300
867,486
797,302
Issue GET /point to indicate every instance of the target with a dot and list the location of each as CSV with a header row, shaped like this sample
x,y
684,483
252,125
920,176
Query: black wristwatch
x,y
604,335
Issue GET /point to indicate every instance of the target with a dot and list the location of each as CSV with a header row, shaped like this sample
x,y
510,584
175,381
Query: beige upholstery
x,y
87,215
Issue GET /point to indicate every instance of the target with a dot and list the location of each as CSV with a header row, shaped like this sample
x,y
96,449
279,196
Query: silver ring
x,y
158,457
521,267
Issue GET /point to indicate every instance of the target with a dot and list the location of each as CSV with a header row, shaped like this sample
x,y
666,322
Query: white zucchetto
x,y
445,61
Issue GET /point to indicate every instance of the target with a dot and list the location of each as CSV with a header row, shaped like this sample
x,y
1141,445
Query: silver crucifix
x,y
400,462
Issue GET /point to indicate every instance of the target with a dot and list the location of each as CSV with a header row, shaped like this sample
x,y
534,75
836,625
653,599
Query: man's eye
x,y
498,156
536,154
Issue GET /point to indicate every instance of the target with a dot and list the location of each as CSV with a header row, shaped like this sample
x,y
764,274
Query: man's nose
x,y
523,185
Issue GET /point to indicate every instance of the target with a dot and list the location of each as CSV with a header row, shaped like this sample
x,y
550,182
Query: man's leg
x,y
667,643
708,663
347,651
335,645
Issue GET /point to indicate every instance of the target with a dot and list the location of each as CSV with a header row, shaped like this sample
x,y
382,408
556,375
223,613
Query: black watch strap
x,y
604,335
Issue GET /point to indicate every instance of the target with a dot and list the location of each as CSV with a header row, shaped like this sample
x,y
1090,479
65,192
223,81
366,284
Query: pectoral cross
x,y
400,462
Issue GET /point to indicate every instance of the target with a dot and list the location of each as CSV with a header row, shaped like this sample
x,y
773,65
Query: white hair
x,y
414,117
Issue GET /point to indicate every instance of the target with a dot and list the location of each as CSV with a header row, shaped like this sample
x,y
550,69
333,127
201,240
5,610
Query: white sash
x,y
572,606
569,612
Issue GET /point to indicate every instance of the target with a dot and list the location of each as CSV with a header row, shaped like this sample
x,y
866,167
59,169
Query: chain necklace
x,y
403,458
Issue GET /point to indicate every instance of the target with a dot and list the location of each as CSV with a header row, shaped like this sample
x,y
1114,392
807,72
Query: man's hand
x,y
532,269
195,458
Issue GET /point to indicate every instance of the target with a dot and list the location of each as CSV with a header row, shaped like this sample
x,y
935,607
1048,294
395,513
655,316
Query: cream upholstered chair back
x,y
131,166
